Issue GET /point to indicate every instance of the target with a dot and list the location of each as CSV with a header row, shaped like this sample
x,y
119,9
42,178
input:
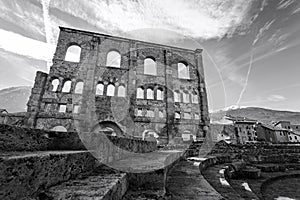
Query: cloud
x,y
276,98
285,3
26,15
202,19
28,47
263,5
262,31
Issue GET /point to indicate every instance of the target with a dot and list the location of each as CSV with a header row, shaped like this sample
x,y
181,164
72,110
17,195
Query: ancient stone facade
x,y
141,87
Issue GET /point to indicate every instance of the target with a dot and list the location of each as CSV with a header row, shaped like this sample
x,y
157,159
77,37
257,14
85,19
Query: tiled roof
x,y
274,128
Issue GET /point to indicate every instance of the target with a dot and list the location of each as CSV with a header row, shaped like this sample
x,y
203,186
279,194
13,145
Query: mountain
x,y
14,99
260,114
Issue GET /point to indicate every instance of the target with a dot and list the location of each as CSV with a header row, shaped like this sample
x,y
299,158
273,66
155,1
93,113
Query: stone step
x,y
102,184
186,182
25,174
216,177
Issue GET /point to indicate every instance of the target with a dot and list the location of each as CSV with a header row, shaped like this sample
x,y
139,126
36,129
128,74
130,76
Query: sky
x,y
251,47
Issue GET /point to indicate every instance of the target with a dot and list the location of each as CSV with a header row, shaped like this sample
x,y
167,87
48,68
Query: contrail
x,y
221,77
257,37
49,38
246,81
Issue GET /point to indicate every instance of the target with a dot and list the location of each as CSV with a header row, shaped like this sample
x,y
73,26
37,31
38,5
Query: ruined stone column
x,y
202,93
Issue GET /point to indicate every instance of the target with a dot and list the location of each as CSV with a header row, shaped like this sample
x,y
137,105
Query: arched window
x,y
150,66
67,86
54,83
99,89
73,53
177,96
140,93
79,87
177,115
183,70
110,90
121,91
113,59
195,97
159,94
186,97
59,129
150,94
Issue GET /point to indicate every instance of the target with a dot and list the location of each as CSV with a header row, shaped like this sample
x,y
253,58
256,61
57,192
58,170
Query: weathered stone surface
x,y
25,139
251,172
43,105
25,174
215,175
186,182
102,184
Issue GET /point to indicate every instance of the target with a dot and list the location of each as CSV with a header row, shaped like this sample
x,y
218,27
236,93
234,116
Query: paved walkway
x,y
186,182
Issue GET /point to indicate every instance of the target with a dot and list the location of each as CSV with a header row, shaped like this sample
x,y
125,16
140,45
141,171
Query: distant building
x,y
293,136
226,132
245,129
273,134
288,125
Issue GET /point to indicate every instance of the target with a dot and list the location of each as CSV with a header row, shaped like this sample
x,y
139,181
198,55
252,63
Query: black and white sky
x,y
251,47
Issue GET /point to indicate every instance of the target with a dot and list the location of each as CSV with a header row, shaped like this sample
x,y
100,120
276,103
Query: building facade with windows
x,y
246,131
294,137
134,85
272,134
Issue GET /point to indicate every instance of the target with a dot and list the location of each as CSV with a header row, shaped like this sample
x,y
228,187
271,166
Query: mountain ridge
x,y
264,115
14,99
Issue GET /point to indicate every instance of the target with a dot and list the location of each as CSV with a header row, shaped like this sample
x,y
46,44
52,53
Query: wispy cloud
x,y
285,3
262,31
276,98
25,46
203,19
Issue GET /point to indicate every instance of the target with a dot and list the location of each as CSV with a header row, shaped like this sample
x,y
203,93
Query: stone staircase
x,y
103,184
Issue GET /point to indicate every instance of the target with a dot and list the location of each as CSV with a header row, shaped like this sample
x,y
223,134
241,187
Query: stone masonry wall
x,y
44,103
25,139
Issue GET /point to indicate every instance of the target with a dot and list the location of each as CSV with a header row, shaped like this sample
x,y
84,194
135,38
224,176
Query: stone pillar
x,y
169,97
34,102
88,117
202,93
131,85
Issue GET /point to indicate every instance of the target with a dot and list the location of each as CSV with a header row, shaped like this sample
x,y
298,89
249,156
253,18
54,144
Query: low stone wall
x,y
273,158
213,160
14,138
27,174
134,145
254,149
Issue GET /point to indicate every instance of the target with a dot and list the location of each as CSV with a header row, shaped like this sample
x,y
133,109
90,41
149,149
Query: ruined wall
x,y
44,106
